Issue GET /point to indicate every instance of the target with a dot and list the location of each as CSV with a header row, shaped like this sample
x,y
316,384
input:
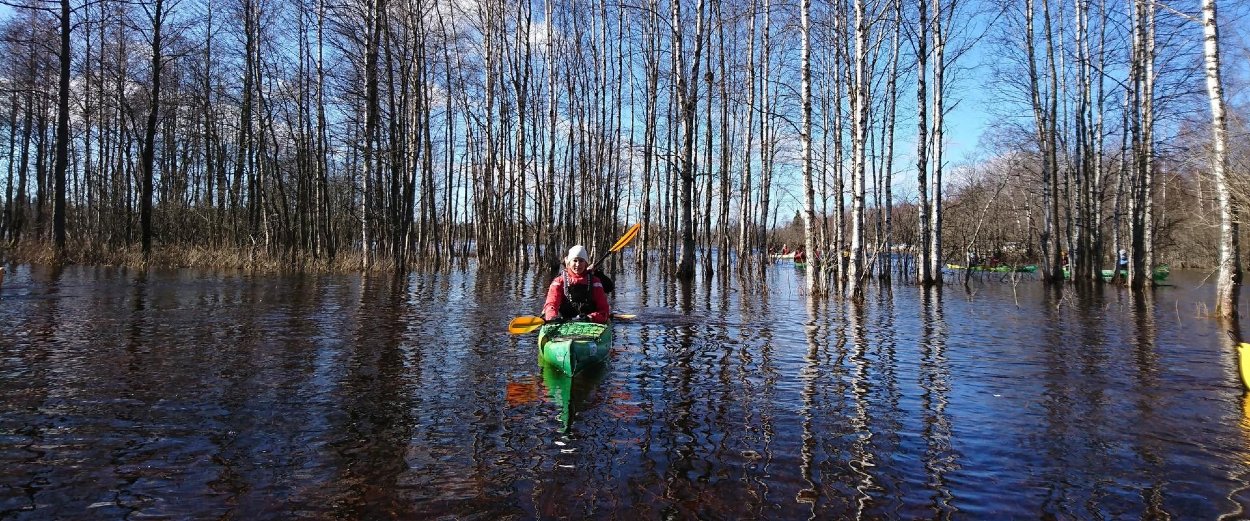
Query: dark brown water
x,y
190,394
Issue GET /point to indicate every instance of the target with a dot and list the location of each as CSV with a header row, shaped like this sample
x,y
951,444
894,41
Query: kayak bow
x,y
573,346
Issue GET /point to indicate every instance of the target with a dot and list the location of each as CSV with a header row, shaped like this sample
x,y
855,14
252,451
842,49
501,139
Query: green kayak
x,y
572,393
1160,274
573,346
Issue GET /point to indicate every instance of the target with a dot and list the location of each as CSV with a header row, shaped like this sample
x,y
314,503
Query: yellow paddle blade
x,y
1243,363
623,316
522,325
627,238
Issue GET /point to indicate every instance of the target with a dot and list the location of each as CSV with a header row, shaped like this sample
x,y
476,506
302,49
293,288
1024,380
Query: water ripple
x,y
187,394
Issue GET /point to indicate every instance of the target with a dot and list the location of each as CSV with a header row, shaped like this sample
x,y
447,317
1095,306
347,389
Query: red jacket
x,y
555,297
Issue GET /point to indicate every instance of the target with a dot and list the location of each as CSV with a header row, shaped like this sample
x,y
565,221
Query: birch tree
x,y
686,89
1141,222
745,222
923,243
1228,282
809,196
859,157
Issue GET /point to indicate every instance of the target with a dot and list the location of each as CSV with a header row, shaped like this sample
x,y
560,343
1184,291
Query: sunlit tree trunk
x,y
1098,252
1043,127
887,170
805,135
922,244
745,221
1053,252
1086,222
521,86
725,152
546,200
842,78
709,170
1141,220
1228,282
1147,252
651,114
686,88
859,157
767,132
937,133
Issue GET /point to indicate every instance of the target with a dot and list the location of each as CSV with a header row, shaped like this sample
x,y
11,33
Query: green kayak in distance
x,y
1160,274
572,346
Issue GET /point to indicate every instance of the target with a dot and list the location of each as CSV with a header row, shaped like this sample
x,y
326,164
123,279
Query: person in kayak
x,y
576,293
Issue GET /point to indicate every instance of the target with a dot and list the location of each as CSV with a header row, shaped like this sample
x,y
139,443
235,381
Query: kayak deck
x,y
573,346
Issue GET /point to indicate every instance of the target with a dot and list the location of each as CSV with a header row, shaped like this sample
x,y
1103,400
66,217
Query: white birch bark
x,y
924,276
809,196
859,129
1228,281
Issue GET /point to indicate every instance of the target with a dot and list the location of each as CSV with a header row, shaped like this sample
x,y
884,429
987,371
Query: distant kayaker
x,y
1123,262
576,294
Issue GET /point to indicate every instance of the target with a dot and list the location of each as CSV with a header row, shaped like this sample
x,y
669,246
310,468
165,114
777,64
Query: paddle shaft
x,y
620,244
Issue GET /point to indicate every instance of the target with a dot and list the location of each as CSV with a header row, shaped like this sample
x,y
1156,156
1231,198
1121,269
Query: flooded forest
x,y
879,259
388,135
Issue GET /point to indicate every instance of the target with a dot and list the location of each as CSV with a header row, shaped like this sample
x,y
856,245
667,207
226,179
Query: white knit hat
x,y
576,252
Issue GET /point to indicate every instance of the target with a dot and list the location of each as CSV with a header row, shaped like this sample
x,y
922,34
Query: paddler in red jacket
x,y
576,294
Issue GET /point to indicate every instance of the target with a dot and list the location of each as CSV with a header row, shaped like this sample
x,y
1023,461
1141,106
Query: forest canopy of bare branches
x,y
387,133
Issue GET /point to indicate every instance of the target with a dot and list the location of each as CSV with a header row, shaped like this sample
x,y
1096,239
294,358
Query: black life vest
x,y
608,285
578,299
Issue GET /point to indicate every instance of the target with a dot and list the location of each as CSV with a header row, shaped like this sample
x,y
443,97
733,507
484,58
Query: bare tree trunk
x,y
805,135
725,154
922,244
1043,127
149,136
859,157
1143,274
745,222
709,172
936,135
687,100
650,137
23,169
1228,283
6,224
373,32
62,131
1141,224
887,175
546,201
842,86
1079,266
768,142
